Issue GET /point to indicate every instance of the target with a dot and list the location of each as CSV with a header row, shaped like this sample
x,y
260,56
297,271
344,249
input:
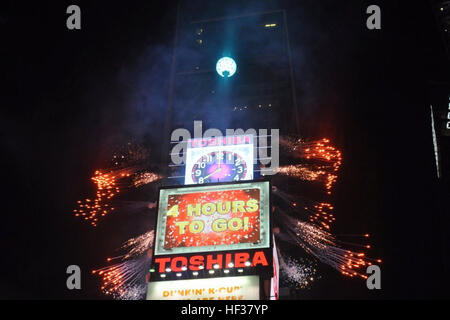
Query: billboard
x,y
219,159
217,217
229,288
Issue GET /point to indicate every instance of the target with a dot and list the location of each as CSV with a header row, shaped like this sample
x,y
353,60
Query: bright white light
x,y
247,263
226,67
216,266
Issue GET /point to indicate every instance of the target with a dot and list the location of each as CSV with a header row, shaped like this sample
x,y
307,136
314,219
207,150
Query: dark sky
x,y
69,96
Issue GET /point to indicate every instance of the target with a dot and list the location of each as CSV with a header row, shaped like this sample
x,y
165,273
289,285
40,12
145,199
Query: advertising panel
x,y
229,288
208,218
219,159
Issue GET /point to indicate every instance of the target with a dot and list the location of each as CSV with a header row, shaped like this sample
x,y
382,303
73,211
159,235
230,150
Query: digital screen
x,y
229,288
213,218
219,159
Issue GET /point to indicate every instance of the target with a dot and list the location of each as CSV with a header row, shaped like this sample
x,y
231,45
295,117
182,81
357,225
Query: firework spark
x,y
143,178
301,171
126,280
326,248
319,213
298,272
129,155
139,245
322,161
108,185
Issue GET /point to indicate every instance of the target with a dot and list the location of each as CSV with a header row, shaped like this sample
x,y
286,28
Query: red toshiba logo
x,y
208,261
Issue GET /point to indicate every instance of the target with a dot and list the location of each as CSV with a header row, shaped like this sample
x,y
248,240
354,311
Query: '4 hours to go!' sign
x,y
213,218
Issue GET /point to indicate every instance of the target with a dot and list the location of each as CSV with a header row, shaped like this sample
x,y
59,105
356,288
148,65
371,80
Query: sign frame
x,y
160,223
256,281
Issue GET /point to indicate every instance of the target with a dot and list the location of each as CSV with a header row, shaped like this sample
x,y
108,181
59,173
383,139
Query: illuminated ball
x,y
226,67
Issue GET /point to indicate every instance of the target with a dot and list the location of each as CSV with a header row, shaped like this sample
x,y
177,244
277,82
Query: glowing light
x,y
226,67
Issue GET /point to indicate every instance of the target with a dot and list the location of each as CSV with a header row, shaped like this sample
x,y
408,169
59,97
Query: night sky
x,y
68,97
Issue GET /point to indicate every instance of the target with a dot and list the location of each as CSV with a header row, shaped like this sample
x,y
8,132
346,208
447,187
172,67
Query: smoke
x,y
199,94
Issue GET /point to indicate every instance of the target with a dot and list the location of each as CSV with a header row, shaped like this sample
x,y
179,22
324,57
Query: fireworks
x,y
125,280
129,155
109,185
324,246
300,171
318,213
139,245
143,178
298,272
322,161
306,224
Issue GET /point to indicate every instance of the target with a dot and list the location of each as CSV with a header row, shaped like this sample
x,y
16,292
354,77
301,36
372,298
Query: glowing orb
x,y
226,67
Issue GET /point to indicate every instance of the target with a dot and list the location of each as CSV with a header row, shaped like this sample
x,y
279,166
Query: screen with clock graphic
x,y
219,159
